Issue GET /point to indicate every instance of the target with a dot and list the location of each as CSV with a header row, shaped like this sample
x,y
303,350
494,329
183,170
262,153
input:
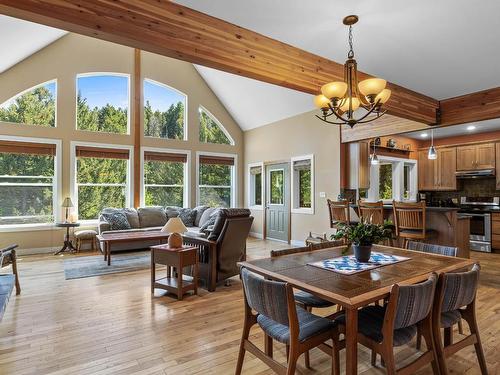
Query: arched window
x,y
103,102
34,106
211,130
164,111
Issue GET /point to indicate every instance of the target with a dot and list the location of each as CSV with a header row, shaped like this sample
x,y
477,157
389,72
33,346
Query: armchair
x,y
225,246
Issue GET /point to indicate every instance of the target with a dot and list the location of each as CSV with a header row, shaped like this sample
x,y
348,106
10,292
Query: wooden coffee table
x,y
108,239
175,259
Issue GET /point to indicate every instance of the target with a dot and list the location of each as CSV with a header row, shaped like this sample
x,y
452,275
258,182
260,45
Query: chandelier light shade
x,y
432,154
339,100
374,157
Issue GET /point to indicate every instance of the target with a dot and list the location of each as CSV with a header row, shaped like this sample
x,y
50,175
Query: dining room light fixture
x,y
373,157
432,154
342,99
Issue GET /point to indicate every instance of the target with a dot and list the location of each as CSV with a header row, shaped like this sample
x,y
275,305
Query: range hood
x,y
476,174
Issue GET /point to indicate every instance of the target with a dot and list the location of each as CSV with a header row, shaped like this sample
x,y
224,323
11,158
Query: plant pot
x,y
362,253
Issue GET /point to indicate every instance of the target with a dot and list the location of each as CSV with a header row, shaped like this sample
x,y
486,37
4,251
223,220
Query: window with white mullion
x,y
393,179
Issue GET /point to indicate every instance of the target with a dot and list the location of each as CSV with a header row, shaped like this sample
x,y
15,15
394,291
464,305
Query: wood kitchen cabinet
x,y
359,165
498,165
495,230
439,174
479,156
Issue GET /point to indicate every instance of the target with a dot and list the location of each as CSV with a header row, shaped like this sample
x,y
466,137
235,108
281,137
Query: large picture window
x,y
103,103
35,106
216,177
27,183
164,111
303,184
101,179
211,130
164,179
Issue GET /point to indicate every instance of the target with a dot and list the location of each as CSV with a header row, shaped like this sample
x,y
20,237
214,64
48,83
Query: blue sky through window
x,y
100,90
51,86
161,97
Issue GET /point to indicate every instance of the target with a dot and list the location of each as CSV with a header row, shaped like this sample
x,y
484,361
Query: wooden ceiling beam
x,y
170,29
477,106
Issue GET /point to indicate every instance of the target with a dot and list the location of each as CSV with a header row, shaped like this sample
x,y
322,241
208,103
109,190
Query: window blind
x,y
219,160
15,147
301,165
101,152
255,170
165,156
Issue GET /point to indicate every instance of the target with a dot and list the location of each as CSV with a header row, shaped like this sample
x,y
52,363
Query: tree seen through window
x,y
211,130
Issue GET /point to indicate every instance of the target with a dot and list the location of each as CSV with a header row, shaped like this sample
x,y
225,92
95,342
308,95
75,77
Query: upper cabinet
x,y
498,164
479,156
438,174
359,165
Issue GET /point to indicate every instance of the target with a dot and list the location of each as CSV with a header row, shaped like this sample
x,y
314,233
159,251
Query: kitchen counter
x,y
450,228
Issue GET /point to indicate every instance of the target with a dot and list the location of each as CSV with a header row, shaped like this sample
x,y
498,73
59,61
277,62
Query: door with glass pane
x,y
277,201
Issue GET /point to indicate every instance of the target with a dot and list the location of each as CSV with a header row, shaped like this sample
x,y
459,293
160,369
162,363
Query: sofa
x,y
153,218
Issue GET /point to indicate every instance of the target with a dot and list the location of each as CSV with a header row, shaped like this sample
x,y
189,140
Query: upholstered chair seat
x,y
450,318
310,325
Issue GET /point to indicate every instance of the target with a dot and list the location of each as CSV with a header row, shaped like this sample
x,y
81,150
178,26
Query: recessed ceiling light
x,y
471,127
424,135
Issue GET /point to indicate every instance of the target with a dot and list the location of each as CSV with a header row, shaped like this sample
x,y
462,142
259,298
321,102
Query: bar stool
x,y
409,221
340,213
371,212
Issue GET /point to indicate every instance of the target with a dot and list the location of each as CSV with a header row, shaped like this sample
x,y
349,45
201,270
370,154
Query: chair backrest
x,y
266,297
409,216
433,249
232,245
371,212
412,303
339,212
459,289
305,249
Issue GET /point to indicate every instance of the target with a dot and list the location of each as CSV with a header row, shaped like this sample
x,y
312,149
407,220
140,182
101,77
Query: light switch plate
x,y
322,194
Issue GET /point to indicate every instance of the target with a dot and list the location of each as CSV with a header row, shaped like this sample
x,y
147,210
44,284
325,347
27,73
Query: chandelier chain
x,y
350,54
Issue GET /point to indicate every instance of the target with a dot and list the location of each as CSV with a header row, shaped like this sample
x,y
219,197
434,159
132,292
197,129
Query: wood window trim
x,y
102,152
165,157
218,160
16,147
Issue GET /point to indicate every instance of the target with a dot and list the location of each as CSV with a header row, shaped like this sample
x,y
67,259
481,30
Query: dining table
x,y
353,291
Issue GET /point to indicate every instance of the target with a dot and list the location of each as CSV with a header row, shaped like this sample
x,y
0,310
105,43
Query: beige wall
x,y
74,54
296,136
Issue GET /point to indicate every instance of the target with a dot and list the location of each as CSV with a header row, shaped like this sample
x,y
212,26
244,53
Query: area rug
x,y
80,267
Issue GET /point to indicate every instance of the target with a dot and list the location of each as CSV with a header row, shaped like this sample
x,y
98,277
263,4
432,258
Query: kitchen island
x,y
450,228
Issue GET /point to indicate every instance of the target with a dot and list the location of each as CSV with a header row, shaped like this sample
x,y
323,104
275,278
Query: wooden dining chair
x,y
381,328
439,250
456,300
304,299
371,212
340,212
409,221
280,319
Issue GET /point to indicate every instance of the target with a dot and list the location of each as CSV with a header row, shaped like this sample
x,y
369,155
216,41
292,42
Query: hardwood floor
x,y
111,325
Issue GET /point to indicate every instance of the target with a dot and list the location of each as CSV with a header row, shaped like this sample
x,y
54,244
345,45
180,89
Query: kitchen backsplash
x,y
473,187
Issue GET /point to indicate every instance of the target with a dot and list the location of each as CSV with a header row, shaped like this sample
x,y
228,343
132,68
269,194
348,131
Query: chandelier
x,y
342,99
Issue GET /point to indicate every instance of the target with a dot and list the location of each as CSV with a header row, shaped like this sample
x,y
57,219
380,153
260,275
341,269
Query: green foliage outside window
x,y
258,189
215,185
35,107
101,183
277,186
385,181
26,188
167,124
305,188
164,183
108,118
210,130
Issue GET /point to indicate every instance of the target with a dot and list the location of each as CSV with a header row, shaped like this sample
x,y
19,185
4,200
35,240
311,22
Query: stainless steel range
x,y
479,211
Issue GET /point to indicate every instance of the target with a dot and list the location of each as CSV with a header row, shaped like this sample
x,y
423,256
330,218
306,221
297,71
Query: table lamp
x,y
67,204
174,226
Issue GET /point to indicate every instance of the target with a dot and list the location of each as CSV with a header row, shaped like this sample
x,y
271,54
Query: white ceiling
x,y
20,39
450,131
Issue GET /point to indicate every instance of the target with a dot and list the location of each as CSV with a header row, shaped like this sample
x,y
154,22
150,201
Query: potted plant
x,y
361,236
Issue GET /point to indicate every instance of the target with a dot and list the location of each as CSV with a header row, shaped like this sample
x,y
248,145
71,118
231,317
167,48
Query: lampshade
x,y
174,225
321,101
67,202
345,106
334,89
432,155
372,86
384,96
374,159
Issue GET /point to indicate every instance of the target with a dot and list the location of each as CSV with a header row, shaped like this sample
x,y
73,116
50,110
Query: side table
x,y
68,245
175,258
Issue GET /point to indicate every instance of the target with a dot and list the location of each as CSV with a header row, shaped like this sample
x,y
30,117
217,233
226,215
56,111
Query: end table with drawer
x,y
176,259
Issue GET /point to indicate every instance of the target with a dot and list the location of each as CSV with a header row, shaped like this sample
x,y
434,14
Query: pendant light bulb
x,y
432,155
374,159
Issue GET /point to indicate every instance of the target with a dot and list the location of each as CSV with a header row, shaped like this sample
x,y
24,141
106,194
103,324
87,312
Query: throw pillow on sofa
x,y
206,215
154,216
209,223
199,211
117,220
187,215
172,211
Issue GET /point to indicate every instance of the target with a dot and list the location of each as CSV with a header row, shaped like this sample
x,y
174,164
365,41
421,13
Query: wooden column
x,y
137,127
